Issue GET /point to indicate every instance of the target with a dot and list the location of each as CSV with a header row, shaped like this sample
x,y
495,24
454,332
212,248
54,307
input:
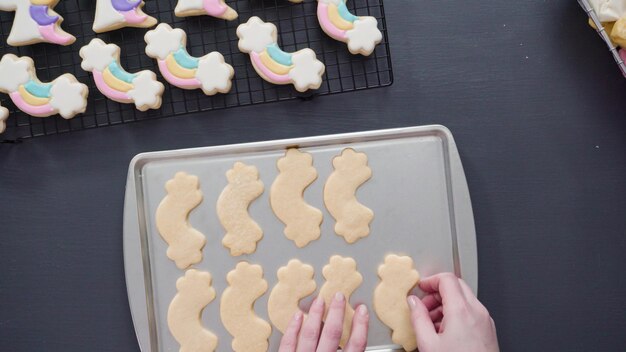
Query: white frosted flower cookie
x,y
35,22
4,114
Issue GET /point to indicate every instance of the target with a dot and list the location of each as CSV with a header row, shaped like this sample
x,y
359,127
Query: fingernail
x,y
298,315
411,299
362,310
319,302
339,297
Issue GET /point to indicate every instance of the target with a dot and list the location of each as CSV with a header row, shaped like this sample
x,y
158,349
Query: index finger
x,y
448,287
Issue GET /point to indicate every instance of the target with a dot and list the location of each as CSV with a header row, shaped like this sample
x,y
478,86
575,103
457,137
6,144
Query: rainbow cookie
x,y
35,22
215,8
141,88
116,14
301,68
4,114
64,96
361,33
168,47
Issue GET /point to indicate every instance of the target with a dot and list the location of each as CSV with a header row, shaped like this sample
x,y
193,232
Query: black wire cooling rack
x,y
297,28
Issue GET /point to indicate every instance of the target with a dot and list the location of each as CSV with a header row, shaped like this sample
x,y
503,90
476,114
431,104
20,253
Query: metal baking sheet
x,y
418,193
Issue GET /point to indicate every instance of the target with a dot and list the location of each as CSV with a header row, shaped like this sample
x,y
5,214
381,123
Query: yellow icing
x,y
337,20
273,65
178,70
115,82
31,99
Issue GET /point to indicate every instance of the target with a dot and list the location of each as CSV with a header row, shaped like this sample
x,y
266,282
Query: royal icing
x,y
4,114
361,33
209,73
141,88
302,68
115,14
35,22
64,96
215,8
609,10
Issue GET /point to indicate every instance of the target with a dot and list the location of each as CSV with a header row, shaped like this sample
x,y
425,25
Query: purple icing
x,y
125,5
39,13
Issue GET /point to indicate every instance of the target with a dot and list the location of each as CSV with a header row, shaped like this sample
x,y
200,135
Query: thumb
x,y
423,326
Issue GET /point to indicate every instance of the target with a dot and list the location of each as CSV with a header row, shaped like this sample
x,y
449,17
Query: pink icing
x,y
256,62
43,110
214,8
108,91
327,25
178,82
133,17
49,33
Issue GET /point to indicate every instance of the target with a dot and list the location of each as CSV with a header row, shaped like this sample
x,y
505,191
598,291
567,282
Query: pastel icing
x,y
141,88
125,5
64,95
215,8
259,40
209,73
361,33
115,14
35,22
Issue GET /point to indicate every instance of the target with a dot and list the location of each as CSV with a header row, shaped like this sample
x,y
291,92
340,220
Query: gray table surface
x,y
537,108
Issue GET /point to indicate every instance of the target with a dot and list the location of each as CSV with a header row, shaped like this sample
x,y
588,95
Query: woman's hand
x,y
450,318
306,337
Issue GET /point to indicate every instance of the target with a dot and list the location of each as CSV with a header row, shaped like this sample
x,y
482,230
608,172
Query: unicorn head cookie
x,y
35,22
116,14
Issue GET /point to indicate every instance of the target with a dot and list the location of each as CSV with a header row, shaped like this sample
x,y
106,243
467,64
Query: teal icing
x,y
345,13
40,90
119,73
278,55
183,58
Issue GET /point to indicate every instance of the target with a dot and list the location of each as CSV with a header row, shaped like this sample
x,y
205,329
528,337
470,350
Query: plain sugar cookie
x,y
295,282
116,14
242,232
246,284
302,68
353,218
302,221
35,22
64,95
184,315
341,276
397,278
215,8
172,220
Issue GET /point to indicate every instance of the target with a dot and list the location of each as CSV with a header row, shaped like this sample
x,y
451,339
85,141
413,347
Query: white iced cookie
x,y
35,22
341,276
353,218
302,68
295,282
215,8
64,95
116,14
184,315
609,10
209,73
302,221
242,232
397,277
4,115
141,88
361,33
172,220
246,284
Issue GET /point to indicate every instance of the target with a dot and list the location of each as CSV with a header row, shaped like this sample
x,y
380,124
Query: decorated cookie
x,y
141,88
35,22
4,114
215,8
64,96
609,10
302,68
116,14
361,33
168,47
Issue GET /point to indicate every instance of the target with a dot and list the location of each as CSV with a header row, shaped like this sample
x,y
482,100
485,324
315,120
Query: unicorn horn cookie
x,y
116,14
4,114
168,47
361,33
35,22
141,88
65,95
215,8
302,68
